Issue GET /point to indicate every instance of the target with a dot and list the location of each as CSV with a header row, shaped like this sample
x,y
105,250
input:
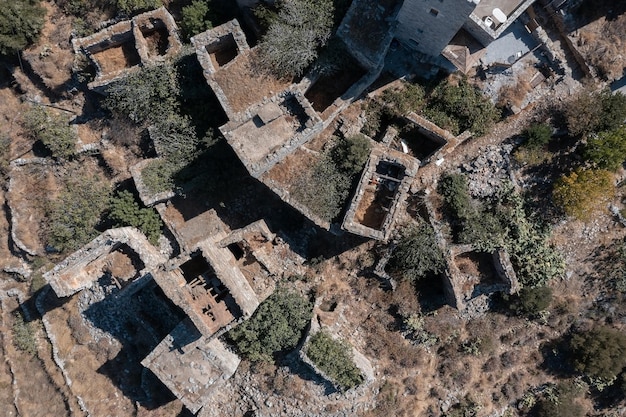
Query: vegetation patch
x,y
126,211
325,188
52,130
276,326
335,359
417,253
599,352
24,335
583,191
21,22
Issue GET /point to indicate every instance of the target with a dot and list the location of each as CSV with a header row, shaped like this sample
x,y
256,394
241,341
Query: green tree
x,y
131,6
454,189
582,192
196,17
607,150
73,216
276,326
409,98
126,211
417,253
147,96
21,22
560,402
335,359
531,301
465,103
591,112
351,154
52,130
537,135
295,35
598,353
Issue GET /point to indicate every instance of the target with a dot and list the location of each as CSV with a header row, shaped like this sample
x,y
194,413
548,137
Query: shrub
x,y
131,6
455,192
466,104
409,98
595,111
560,402
276,326
73,216
351,154
147,96
24,335
5,154
598,353
607,150
537,135
335,359
531,301
196,18
325,188
52,130
417,253
175,139
158,176
295,34
21,22
582,192
126,211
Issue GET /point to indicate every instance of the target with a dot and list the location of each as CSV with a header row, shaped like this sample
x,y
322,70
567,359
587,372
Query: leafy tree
x,y
146,97
21,22
52,130
531,301
466,104
598,353
335,359
351,154
325,187
595,111
73,216
131,6
409,98
196,18
417,253
583,191
175,139
294,36
537,135
276,326
562,401
126,211
454,190
607,150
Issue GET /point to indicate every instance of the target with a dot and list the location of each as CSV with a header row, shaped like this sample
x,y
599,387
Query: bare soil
x,y
117,58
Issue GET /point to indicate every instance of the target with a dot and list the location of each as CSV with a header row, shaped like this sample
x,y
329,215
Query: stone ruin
x,y
115,51
472,276
383,187
85,266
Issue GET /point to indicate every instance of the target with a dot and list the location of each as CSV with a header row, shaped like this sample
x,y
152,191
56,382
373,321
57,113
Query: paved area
x,y
514,42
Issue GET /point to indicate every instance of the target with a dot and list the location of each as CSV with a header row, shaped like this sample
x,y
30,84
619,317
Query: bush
x,y
607,150
335,359
409,98
21,22
559,402
530,301
146,97
466,104
537,135
276,326
196,18
73,216
417,253
24,335
131,6
126,211
158,176
294,36
52,130
598,353
594,112
455,192
325,188
351,154
175,139
5,155
582,192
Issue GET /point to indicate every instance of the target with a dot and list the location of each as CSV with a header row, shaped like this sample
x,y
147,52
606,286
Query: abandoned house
x,y
148,38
